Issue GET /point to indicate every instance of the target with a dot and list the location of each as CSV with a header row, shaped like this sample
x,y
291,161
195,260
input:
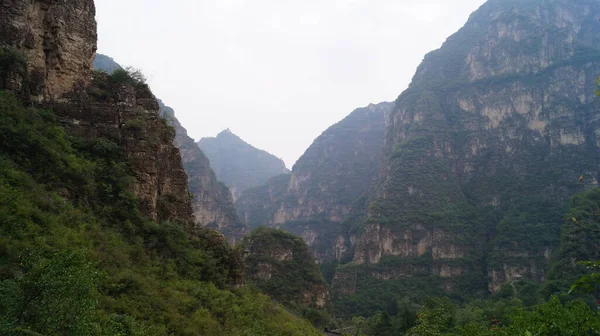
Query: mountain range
x,y
464,207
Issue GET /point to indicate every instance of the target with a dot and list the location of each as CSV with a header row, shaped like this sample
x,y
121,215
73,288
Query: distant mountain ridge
x,y
238,164
106,63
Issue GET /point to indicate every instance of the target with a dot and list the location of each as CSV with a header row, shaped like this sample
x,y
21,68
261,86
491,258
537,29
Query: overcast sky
x,y
276,72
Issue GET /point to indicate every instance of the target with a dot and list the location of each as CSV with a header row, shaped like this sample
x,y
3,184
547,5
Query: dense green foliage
x,y
77,258
578,248
11,61
498,316
440,317
281,265
128,76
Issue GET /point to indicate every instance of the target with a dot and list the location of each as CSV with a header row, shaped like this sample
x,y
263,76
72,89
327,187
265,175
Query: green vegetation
x,y
129,76
281,265
579,243
519,308
11,61
440,317
78,258
501,315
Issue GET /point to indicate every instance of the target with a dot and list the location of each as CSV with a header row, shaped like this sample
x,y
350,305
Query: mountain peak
x,y
225,132
238,164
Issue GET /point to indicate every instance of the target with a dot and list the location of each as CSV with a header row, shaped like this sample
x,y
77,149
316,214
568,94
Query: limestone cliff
x,y
58,39
238,164
325,186
212,201
484,149
129,115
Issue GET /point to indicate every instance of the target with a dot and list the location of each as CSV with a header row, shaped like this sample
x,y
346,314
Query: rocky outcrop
x,y
58,40
325,186
486,146
212,201
129,115
282,266
238,164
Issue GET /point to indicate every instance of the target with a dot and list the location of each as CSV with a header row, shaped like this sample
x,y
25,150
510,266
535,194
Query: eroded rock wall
x,y
325,186
58,39
212,201
487,145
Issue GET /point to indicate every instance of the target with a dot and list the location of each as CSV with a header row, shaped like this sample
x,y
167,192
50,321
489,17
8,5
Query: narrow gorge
x,y
479,159
468,206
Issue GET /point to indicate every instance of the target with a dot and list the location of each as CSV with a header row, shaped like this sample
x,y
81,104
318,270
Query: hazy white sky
x,y
276,72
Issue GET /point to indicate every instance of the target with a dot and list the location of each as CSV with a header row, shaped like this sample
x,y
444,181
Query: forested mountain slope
x,y
97,234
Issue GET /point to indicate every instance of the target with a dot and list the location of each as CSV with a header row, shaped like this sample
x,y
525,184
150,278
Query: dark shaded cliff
x,y
238,164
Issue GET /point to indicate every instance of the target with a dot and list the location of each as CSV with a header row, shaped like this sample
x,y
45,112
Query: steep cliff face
x,y
58,39
98,264
129,115
325,186
212,201
238,164
486,146
282,266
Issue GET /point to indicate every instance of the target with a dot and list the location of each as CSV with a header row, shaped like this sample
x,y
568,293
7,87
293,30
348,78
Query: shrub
x,y
129,76
11,61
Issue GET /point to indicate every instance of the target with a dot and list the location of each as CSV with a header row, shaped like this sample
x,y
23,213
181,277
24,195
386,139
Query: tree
x,y
57,296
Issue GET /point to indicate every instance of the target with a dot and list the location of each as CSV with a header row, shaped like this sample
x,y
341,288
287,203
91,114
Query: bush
x,y
11,61
129,76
